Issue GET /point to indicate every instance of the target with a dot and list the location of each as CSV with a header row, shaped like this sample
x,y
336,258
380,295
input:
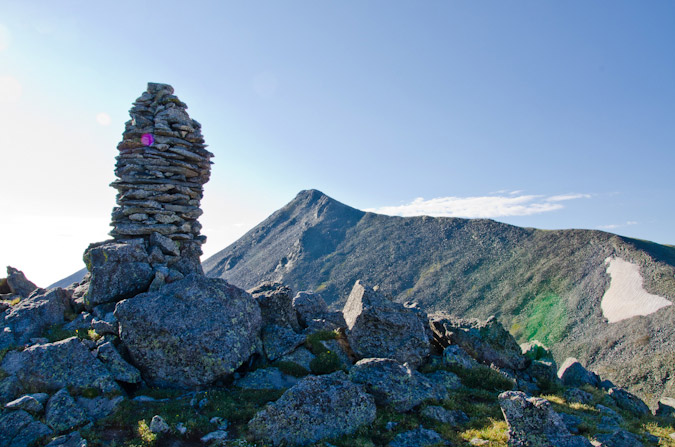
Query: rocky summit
x,y
147,350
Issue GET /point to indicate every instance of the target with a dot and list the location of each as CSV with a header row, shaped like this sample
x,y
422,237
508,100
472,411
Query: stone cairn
x,y
161,168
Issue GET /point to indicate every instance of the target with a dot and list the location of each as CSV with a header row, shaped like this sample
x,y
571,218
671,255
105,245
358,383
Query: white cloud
x,y
615,226
563,197
480,207
103,119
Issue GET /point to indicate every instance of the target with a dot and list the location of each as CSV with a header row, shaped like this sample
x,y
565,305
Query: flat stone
x,y
62,412
394,384
307,412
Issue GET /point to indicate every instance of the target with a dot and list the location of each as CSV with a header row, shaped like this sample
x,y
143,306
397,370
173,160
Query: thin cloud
x,y
615,226
563,197
480,207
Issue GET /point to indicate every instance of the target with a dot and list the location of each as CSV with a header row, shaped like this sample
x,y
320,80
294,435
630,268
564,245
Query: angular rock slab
x,y
18,284
31,316
63,413
532,422
314,409
486,341
118,270
18,428
380,328
276,305
629,402
64,364
191,332
573,373
394,384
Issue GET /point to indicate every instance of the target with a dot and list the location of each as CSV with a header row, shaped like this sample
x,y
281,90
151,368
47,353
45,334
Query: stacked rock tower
x,y
161,168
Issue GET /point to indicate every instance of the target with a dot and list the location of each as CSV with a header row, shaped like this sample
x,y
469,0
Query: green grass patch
x,y
547,319
291,368
481,377
236,406
314,341
326,363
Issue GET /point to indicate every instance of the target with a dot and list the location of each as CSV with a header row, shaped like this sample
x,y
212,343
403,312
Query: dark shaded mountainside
x,y
541,284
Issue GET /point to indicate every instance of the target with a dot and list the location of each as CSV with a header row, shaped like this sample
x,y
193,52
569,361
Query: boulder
x,y
266,379
419,437
454,355
52,366
119,368
486,341
532,422
18,429
33,315
118,270
380,328
577,395
440,414
666,407
158,425
318,407
190,333
18,284
620,438
63,414
629,402
572,373
307,306
279,341
10,389
99,407
394,384
543,370
276,305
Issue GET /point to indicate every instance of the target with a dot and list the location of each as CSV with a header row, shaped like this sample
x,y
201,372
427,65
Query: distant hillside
x,y
545,285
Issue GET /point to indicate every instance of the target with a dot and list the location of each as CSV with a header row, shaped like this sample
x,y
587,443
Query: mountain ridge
x,y
544,284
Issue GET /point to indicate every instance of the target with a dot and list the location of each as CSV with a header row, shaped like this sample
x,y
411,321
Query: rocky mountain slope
x,y
545,285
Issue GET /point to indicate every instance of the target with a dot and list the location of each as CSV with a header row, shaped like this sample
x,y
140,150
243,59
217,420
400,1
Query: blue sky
x,y
542,114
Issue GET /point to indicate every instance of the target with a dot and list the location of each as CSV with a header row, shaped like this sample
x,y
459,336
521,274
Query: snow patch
x,y
626,297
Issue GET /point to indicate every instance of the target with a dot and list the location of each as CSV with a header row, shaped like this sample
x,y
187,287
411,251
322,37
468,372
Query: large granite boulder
x,y
380,328
118,270
31,316
309,305
573,373
318,407
394,384
628,401
63,413
276,305
63,364
18,284
191,332
486,341
120,369
532,422
279,341
18,429
666,407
